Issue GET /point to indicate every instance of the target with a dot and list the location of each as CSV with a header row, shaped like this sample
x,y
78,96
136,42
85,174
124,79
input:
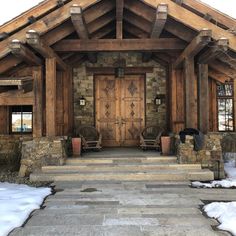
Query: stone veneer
x,y
40,152
84,86
210,156
10,150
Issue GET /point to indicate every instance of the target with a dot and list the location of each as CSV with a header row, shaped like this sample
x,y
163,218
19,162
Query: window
x,y
225,98
21,119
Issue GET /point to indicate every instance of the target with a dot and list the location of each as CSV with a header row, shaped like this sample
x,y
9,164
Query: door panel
x,y
132,109
107,107
120,109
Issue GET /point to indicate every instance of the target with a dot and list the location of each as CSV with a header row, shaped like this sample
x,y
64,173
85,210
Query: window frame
x,y
225,97
21,110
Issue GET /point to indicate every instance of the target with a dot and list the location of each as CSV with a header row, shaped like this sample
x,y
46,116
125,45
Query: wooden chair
x,y
150,138
90,138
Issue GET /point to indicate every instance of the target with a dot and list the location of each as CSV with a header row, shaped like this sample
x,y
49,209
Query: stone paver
x,y
95,208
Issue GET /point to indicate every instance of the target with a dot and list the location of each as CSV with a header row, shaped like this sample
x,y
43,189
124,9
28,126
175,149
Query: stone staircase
x,y
124,168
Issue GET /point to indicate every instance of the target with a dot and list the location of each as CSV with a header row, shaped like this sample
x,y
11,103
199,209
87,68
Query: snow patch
x,y
225,213
17,201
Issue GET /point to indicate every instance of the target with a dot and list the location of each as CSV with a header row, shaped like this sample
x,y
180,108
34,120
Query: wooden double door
x,y
120,109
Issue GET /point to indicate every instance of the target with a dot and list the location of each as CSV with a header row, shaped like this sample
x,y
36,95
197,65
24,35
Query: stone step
x,y
118,168
121,160
174,175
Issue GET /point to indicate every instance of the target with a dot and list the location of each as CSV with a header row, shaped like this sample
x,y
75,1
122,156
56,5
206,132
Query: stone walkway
x,y
125,209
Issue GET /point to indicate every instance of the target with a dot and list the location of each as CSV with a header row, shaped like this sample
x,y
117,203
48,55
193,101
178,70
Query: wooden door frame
x,y
95,75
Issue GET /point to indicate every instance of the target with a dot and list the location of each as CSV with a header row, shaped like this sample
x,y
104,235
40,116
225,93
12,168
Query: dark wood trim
x,y
111,70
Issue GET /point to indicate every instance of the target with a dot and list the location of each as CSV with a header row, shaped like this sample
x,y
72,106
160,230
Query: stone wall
x,y
84,86
229,146
210,156
41,152
10,150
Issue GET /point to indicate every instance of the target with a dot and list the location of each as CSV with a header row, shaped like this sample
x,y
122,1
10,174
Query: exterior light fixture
x,y
159,99
82,101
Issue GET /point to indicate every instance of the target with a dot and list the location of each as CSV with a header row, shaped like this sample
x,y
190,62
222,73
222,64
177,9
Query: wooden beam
x,y
44,24
99,45
34,40
81,28
14,81
158,26
194,21
37,73
8,62
15,98
111,70
160,21
223,68
220,77
197,44
234,104
119,18
203,98
190,101
19,50
203,9
51,77
23,19
217,49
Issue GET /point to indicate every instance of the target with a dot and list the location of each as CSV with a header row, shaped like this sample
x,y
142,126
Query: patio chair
x,y
90,138
150,138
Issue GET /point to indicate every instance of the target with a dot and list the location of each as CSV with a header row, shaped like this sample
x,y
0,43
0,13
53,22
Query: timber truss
x,y
184,35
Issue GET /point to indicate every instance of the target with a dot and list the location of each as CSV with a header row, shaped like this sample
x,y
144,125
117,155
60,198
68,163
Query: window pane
x,y
16,122
225,114
225,90
27,121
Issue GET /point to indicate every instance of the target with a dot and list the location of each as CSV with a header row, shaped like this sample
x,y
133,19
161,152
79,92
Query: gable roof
x,y
51,19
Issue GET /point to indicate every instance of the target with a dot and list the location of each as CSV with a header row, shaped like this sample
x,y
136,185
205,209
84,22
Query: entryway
x,y
120,109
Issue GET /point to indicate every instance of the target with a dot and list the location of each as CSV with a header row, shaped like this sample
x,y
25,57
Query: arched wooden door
x,y
120,113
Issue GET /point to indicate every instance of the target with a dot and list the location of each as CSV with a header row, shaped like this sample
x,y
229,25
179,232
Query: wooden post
x,y
37,74
234,104
203,98
51,96
4,120
190,101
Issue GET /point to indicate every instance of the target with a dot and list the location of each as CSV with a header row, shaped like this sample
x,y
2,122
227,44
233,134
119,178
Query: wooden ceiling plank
x,y
78,21
119,45
103,31
218,76
43,25
215,50
34,40
197,44
119,18
8,62
21,51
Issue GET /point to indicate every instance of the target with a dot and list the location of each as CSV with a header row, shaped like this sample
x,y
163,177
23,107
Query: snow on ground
x,y
16,204
229,182
225,213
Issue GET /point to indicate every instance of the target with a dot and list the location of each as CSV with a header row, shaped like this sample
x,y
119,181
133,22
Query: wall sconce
x,y
159,99
82,101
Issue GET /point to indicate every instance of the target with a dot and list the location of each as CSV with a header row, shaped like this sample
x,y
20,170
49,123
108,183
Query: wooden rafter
x,y
78,21
9,62
223,68
158,26
215,50
34,40
197,44
205,10
119,18
92,45
21,51
44,24
194,21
